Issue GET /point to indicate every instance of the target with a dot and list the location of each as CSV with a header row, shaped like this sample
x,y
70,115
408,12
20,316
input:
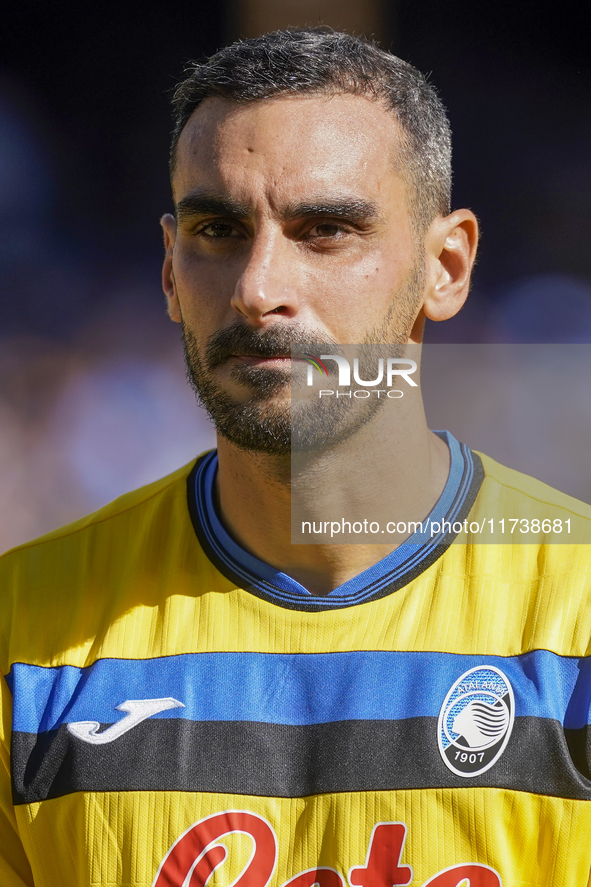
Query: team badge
x,y
476,720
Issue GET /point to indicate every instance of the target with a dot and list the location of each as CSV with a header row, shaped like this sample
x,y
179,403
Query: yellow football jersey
x,y
176,713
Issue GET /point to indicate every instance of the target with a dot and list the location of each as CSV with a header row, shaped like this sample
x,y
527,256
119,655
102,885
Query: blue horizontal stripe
x,y
291,689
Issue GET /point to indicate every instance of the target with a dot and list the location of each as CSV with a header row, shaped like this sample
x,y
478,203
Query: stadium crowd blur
x,y
92,394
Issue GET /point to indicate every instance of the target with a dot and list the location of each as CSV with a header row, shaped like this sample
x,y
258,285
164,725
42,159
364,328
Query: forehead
x,y
289,145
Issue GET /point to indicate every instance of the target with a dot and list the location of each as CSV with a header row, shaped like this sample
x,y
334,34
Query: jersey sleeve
x,y
15,870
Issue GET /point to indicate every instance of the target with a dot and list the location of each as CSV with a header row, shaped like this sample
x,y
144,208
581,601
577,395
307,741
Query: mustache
x,y
275,341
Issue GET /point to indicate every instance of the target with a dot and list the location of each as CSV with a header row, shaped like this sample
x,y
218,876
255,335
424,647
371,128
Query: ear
x,y
168,223
450,252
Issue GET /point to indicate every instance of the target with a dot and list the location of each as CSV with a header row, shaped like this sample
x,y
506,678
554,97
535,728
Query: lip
x,y
262,361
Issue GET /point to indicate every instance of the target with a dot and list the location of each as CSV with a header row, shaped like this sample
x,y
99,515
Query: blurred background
x,y
93,400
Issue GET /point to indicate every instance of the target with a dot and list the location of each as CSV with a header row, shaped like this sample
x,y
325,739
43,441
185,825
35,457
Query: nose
x,y
267,286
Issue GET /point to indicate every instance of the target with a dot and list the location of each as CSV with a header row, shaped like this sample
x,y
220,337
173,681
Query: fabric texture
x,y
174,711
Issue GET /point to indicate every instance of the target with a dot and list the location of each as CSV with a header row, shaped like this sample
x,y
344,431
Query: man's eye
x,y
327,229
218,229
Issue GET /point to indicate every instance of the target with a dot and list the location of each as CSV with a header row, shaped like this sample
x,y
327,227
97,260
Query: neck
x,y
404,469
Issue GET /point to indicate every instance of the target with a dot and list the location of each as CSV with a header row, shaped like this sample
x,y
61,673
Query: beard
x,y
267,423
262,423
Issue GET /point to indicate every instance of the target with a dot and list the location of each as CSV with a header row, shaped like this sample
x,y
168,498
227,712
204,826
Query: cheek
x,y
359,296
201,286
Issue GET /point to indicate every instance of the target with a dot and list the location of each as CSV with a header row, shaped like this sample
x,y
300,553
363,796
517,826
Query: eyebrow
x,y
345,208
206,203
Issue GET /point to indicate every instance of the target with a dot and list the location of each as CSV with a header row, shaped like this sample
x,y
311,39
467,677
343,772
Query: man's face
x,y
292,226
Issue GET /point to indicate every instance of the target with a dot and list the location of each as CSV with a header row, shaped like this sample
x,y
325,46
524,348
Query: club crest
x,y
476,720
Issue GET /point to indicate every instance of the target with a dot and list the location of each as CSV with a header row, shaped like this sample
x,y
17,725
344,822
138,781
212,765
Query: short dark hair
x,y
319,60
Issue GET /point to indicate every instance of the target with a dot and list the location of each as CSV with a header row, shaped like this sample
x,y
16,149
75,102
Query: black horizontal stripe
x,y
275,760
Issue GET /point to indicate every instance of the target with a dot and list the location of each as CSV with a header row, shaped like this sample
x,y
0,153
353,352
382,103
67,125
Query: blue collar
x,y
392,572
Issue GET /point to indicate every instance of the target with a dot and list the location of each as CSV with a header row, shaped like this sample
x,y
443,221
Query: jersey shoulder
x,y
508,485
63,589
128,503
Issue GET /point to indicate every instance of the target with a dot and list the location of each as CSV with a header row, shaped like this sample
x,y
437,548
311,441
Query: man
x,y
190,696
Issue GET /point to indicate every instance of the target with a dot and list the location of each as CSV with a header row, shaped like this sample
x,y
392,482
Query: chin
x,y
257,427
